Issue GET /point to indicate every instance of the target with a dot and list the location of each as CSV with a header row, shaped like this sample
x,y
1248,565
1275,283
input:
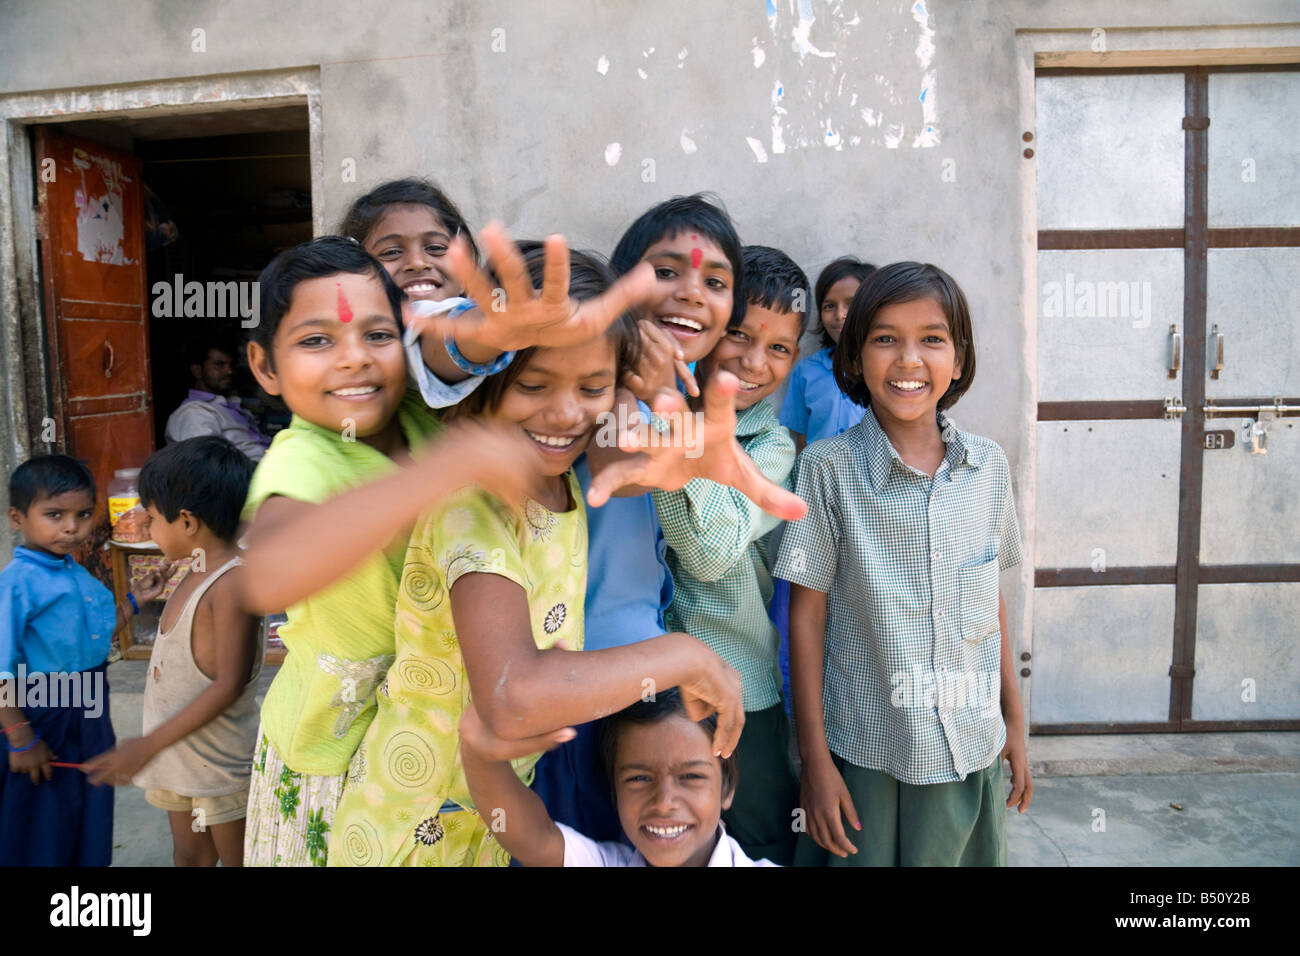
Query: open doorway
x,y
138,216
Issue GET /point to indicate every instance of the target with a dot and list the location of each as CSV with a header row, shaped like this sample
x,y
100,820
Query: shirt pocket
x,y
978,587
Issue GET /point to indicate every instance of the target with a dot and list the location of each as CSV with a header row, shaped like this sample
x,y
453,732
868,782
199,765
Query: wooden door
x,y
91,220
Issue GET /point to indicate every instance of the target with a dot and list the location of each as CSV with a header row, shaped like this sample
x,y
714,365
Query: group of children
x,y
509,636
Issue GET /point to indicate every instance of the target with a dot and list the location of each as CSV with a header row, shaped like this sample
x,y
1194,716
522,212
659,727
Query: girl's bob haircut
x,y
895,284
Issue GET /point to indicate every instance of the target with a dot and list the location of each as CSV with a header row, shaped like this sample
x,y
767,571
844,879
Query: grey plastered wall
x,y
515,107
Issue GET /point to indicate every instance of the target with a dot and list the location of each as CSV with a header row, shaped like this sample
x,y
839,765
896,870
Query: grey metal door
x,y
1167,579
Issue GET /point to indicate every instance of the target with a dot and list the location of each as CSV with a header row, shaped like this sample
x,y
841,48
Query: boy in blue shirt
x,y
56,627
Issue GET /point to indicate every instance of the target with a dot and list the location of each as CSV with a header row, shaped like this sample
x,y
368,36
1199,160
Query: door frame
x,y
23,337
1193,52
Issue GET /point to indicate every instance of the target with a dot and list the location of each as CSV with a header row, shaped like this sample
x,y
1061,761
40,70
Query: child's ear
x,y
263,369
728,795
191,524
15,518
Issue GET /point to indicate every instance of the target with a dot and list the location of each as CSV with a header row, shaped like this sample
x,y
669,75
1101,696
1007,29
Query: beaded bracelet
x,y
22,750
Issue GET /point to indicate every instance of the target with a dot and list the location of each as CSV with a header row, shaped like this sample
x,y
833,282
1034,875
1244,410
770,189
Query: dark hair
x,y
844,267
47,476
207,476
774,281
658,708
701,212
324,256
894,284
198,350
367,210
589,276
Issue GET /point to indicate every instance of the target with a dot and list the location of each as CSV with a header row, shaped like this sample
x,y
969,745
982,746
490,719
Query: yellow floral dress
x,y
405,800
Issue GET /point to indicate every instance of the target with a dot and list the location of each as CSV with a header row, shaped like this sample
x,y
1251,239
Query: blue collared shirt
x,y
54,616
814,405
909,563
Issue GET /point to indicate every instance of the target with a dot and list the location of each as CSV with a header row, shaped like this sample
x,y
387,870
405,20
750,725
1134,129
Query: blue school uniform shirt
x,y
628,584
814,405
55,617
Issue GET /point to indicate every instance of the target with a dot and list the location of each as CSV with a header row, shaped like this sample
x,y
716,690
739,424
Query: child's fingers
x,y
1017,785
463,268
628,291
847,808
840,843
555,271
727,736
687,376
616,475
509,264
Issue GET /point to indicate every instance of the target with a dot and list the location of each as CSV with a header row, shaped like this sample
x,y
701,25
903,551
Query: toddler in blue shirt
x,y
56,627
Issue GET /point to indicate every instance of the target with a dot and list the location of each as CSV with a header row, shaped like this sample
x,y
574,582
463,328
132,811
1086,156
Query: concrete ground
x,y
1106,800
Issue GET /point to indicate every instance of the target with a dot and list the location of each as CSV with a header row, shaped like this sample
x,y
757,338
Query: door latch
x,y
1174,408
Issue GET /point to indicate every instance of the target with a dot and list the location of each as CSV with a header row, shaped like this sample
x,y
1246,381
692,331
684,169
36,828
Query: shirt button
x,y
934,555
943,718
939,614
943,668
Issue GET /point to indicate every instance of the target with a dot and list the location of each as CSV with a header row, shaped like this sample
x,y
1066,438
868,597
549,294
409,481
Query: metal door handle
x,y
1218,351
1175,351
109,358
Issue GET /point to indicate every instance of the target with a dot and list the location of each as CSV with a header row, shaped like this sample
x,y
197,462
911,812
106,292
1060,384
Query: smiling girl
x,y
487,593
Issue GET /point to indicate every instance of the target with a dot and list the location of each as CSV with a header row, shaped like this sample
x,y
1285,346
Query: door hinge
x,y
1182,670
1196,122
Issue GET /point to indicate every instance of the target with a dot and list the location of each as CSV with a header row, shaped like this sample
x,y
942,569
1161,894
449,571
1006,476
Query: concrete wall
x,y
513,108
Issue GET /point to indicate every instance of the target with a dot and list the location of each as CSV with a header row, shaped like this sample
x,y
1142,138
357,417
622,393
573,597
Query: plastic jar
x,y
123,495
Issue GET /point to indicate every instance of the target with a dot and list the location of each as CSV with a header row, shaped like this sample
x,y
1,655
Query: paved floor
x,y
1114,800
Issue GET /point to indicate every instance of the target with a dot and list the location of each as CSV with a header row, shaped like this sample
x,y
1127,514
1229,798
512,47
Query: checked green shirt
x,y
721,560
911,681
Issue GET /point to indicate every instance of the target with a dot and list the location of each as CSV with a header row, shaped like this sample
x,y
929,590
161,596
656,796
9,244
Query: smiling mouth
x,y
748,386
553,443
355,392
909,385
682,323
421,287
668,833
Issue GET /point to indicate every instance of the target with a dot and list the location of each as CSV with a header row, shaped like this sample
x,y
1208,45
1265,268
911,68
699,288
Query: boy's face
x,y
835,307
692,300
558,398
57,525
411,241
668,787
908,361
760,352
172,537
337,355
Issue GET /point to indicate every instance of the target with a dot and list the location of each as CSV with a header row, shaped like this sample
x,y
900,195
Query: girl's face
x,y
668,787
337,358
835,307
692,300
411,241
908,361
558,399
759,352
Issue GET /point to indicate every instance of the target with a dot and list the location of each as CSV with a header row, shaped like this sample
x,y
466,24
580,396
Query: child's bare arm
x,y
521,691
825,798
295,549
527,831
1013,715
220,621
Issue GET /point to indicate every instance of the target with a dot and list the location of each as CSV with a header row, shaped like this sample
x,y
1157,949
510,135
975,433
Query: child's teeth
x,y
684,323
909,386
554,441
364,390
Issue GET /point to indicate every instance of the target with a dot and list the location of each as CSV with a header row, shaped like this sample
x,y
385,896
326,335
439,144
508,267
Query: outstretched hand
x,y
704,447
514,315
477,738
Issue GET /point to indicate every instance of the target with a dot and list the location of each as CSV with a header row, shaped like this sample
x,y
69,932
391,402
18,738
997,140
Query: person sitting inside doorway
x,y
212,408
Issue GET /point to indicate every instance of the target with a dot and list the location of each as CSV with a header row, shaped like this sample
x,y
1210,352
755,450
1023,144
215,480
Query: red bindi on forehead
x,y
697,256
345,310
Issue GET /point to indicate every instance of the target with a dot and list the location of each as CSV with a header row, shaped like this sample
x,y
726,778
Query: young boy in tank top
x,y
200,716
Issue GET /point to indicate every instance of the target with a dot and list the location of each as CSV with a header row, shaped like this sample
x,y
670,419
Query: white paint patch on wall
x,y
760,154
688,144
613,153
602,65
832,99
